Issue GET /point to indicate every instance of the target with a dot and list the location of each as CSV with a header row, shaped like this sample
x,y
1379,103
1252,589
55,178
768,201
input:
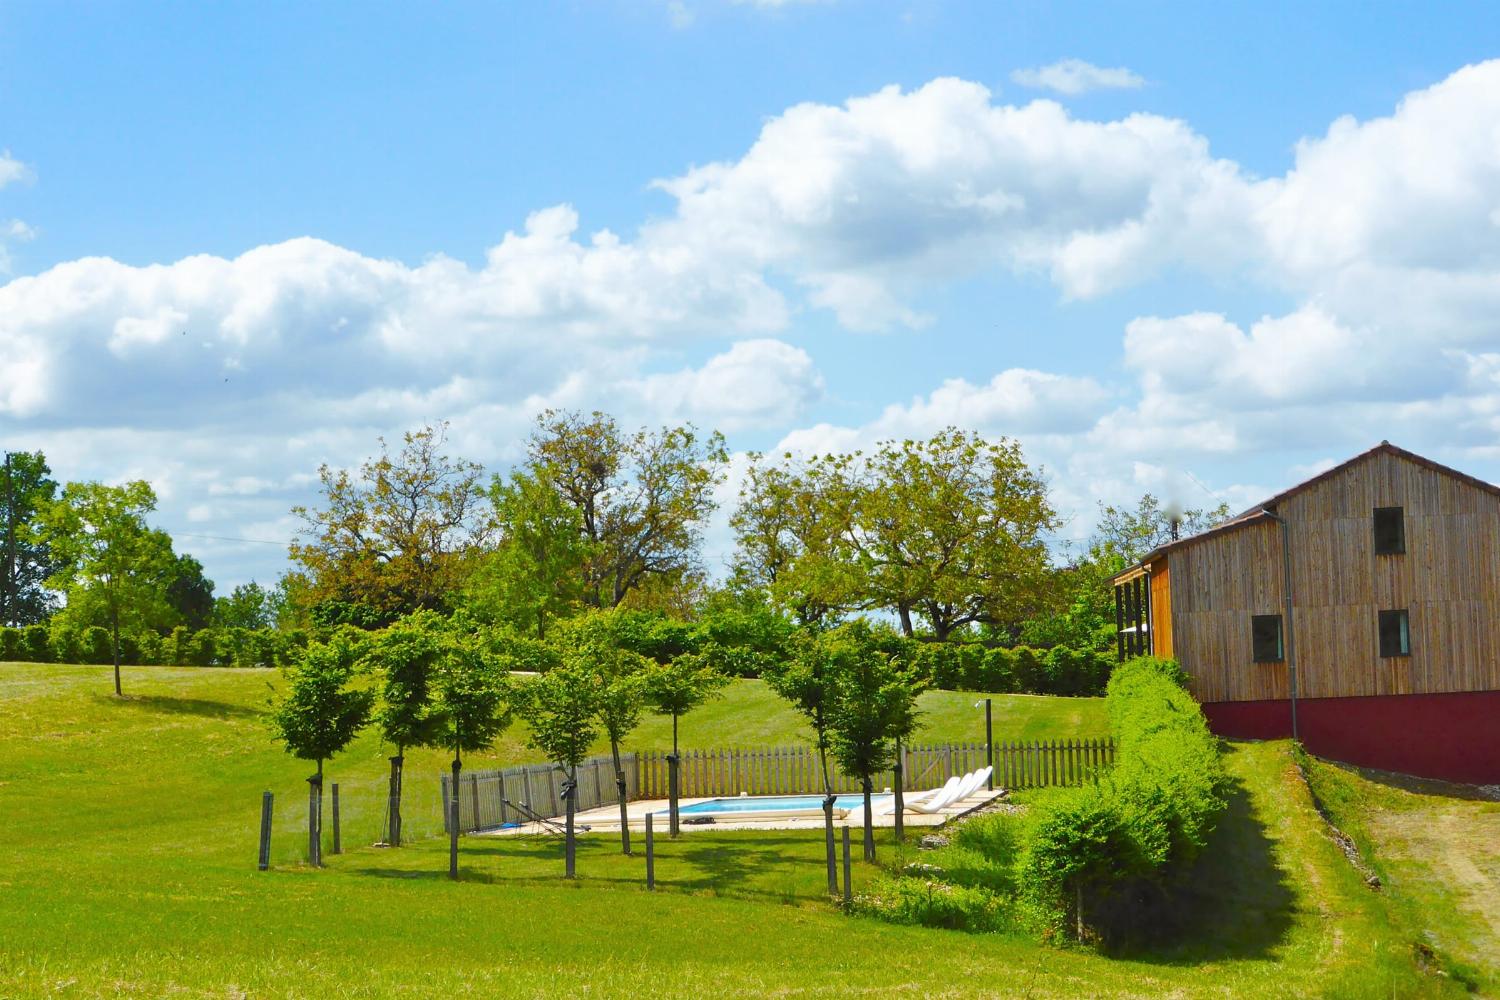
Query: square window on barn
x,y
1265,638
1390,531
1395,634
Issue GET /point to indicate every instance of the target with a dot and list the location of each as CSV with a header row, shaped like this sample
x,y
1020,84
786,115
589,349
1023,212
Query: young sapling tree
x,y
319,715
405,656
675,689
806,680
874,703
561,708
472,706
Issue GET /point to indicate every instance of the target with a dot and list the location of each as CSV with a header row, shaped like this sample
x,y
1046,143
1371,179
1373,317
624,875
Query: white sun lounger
x,y
972,785
940,799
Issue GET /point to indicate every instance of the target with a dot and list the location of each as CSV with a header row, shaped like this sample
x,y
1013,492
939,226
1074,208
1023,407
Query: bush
x,y
1100,853
931,902
36,644
11,647
94,646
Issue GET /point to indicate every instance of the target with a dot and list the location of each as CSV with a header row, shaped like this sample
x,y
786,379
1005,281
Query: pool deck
x,y
607,818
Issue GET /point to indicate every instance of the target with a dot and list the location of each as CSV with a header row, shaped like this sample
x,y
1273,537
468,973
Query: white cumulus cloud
x,y
1075,76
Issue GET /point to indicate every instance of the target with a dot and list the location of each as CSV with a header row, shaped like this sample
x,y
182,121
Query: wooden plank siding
x,y
1448,580
1161,608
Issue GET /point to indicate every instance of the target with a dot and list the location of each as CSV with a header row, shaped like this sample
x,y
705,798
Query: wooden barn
x,y
1359,611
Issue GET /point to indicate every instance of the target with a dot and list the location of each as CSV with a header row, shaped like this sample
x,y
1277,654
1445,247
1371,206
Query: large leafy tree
x,y
189,593
26,487
953,529
795,526
561,709
248,605
397,535
106,556
1131,534
536,572
640,497
320,714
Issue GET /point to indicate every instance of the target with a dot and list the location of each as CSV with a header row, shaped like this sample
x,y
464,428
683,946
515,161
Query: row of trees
x,y
439,686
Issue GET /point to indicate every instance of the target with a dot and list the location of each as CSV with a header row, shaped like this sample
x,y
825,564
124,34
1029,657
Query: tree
x,y
471,707
319,716
398,535
106,555
189,593
27,486
561,709
640,498
794,525
537,571
405,656
675,689
248,605
593,643
953,529
1131,534
806,679
873,703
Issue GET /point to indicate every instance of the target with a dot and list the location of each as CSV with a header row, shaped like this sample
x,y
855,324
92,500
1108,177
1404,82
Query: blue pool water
x,y
774,803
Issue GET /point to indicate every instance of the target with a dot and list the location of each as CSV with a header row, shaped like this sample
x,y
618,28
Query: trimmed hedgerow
x,y
1102,857
1099,861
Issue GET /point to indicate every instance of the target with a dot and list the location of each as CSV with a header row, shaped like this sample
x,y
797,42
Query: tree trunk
x,y
673,790
905,612
614,749
393,836
569,846
458,767
899,775
828,799
120,694
869,788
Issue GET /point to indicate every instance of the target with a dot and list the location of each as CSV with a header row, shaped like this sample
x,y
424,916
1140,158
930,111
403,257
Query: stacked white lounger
x,y
956,790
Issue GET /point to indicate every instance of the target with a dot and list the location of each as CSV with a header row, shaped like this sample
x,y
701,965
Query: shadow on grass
x,y
1415,785
182,706
751,867
1235,903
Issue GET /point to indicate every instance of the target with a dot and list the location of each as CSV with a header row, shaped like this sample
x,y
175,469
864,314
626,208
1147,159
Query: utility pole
x,y
10,544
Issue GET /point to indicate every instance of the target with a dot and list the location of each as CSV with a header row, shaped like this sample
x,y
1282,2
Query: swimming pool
x,y
760,806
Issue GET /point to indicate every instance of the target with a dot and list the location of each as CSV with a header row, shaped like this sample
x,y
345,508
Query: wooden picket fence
x,y
796,770
483,795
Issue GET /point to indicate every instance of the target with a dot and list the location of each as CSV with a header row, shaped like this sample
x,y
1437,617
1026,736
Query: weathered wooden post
x,y
650,855
314,821
833,871
570,791
848,886
898,776
673,827
453,820
989,741
335,789
266,799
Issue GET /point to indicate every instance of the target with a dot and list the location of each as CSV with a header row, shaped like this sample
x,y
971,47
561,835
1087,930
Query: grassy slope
x,y
126,869
1437,849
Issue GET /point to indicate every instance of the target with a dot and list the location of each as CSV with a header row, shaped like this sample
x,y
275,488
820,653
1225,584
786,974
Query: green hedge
x,y
1103,857
970,666
212,647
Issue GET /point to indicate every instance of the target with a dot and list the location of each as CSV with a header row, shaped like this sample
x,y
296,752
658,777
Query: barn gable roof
x,y
1261,511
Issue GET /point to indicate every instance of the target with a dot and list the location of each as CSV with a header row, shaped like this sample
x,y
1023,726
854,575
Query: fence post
x,y
265,830
337,847
848,886
650,855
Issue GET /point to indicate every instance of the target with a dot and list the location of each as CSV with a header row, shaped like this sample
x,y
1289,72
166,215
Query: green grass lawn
x,y
127,869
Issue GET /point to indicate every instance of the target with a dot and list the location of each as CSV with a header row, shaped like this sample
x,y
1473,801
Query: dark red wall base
x,y
1455,737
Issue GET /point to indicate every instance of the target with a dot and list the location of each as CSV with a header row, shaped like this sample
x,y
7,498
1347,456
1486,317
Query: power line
x,y
228,538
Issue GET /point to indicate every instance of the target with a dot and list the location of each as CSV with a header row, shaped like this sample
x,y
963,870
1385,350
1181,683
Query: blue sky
x,y
1161,246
